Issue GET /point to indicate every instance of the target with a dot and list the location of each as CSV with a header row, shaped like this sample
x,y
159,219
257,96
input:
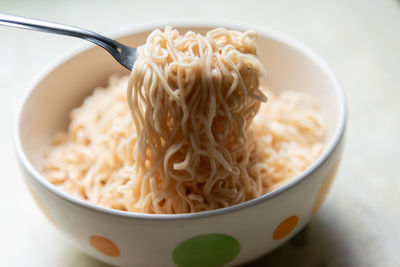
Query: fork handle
x,y
51,27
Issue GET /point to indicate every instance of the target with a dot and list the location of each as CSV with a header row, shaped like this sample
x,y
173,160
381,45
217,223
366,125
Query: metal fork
x,y
125,55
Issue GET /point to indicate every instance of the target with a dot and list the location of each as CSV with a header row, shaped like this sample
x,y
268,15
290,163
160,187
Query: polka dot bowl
x,y
229,236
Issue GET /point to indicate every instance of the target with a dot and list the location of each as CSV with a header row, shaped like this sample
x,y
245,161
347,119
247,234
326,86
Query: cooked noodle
x,y
192,145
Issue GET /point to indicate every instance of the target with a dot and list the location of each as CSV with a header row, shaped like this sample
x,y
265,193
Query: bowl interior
x,y
63,86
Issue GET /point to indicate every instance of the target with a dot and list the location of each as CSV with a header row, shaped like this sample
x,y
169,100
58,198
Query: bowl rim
x,y
187,23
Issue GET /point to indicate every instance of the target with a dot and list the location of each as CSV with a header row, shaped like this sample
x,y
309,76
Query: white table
x,y
359,223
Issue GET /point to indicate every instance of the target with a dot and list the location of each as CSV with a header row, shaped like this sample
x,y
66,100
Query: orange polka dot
x,y
41,205
324,189
104,246
285,227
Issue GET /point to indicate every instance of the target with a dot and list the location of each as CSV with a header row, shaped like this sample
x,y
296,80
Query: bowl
x,y
228,236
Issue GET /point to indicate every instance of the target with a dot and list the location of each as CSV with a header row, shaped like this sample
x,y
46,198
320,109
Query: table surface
x,y
359,223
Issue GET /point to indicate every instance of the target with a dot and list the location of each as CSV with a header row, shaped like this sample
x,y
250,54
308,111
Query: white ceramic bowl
x,y
232,235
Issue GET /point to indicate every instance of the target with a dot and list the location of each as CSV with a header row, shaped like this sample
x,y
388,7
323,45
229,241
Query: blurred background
x,y
359,223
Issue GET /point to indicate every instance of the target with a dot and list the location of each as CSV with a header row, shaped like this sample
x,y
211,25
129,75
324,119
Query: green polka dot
x,y
210,250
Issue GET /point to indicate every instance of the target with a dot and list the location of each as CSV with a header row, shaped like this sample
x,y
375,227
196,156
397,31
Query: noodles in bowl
x,y
201,137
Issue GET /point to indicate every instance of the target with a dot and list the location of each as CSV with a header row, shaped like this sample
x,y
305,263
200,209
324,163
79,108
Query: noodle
x,y
186,137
